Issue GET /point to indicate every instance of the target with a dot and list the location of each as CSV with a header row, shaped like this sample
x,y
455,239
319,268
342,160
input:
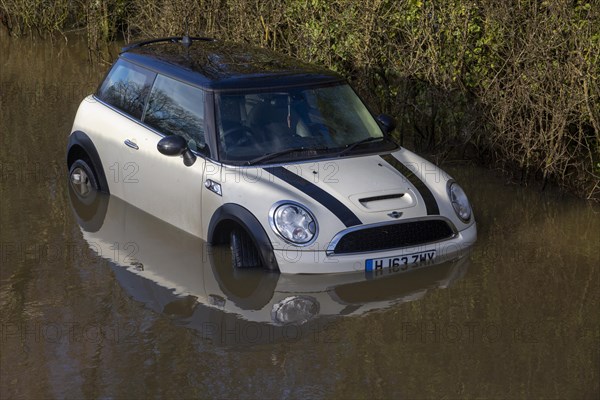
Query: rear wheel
x,y
87,201
83,178
243,251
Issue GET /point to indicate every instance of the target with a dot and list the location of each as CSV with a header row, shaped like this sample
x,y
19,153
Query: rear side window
x,y
175,108
126,88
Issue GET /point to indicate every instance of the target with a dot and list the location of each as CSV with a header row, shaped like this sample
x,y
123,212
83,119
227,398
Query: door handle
x,y
131,144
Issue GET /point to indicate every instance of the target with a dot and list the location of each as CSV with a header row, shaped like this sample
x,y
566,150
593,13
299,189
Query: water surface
x,y
113,312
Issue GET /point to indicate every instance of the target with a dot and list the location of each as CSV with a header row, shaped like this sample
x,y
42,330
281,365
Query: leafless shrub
x,y
513,82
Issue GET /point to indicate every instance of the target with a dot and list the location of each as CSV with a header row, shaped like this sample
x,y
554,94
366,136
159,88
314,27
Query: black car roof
x,y
218,65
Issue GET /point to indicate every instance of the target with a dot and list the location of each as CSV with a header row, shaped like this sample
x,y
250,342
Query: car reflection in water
x,y
195,285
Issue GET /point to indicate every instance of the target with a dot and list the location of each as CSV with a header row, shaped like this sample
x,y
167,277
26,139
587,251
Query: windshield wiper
x,y
290,150
276,154
351,146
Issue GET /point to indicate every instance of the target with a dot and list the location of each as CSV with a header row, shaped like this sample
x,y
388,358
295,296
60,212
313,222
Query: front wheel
x,y
243,251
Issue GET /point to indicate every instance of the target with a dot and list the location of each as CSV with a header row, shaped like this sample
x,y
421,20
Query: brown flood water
x,y
103,301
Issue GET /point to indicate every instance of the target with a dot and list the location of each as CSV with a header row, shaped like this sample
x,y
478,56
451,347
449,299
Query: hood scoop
x,y
367,200
384,201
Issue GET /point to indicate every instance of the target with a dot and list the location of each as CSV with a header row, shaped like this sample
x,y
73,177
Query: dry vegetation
x,y
513,83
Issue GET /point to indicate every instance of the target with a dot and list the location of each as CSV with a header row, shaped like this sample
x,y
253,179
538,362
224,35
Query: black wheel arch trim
x,y
247,220
79,138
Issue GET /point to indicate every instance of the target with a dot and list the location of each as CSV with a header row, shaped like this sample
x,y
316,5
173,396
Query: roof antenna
x,y
185,40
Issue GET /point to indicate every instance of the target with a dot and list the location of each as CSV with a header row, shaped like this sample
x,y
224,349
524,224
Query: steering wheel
x,y
324,132
238,136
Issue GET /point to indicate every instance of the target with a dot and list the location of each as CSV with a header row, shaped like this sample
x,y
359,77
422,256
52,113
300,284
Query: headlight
x,y
293,223
459,201
295,310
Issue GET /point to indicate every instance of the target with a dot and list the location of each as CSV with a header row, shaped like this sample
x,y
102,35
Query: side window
x,y
175,108
126,88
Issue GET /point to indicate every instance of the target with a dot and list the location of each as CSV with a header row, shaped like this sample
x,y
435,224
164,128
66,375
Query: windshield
x,y
294,124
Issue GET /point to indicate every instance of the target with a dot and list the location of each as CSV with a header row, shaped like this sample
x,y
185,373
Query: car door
x,y
163,186
115,118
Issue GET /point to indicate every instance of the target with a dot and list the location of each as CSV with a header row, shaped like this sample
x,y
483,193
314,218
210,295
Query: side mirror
x,y
174,145
387,122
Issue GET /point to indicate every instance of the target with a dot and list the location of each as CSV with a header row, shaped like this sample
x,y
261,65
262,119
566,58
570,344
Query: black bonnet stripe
x,y
428,198
331,203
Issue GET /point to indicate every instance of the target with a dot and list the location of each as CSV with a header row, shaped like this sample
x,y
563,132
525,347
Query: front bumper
x,y
293,260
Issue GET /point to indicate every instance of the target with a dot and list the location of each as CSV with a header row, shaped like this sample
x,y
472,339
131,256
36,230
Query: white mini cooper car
x,y
237,144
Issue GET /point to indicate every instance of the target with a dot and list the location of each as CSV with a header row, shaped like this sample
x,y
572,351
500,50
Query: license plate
x,y
400,263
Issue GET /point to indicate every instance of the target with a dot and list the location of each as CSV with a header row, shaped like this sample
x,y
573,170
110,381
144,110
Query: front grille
x,y
394,236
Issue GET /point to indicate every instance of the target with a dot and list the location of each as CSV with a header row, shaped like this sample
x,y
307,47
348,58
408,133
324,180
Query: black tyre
x,y
83,180
243,251
247,288
89,211
88,203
